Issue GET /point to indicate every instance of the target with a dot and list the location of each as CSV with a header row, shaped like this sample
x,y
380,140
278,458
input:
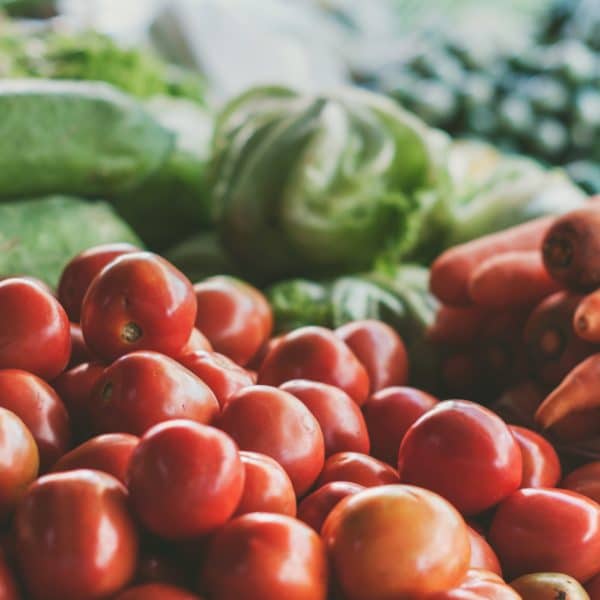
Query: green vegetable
x,y
39,9
77,138
39,236
325,184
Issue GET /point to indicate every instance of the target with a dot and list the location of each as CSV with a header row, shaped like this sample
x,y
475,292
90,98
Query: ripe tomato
x,y
138,302
537,530
317,354
234,316
185,479
263,556
156,591
109,453
75,389
380,349
396,541
34,329
549,586
389,413
142,389
19,459
465,453
479,584
80,353
75,537
197,342
592,587
81,270
219,373
267,487
42,411
9,589
482,554
341,421
541,465
259,357
584,480
273,422
315,507
357,468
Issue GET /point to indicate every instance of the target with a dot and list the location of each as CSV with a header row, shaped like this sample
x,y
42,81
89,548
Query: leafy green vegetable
x,y
77,138
39,236
38,9
325,184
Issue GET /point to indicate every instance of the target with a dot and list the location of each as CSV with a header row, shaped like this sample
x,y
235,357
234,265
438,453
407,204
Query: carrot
x,y
452,270
578,392
571,249
457,325
586,321
511,280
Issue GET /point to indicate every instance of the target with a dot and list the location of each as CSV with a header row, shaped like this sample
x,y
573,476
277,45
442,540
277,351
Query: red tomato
x,y
389,413
482,554
396,541
317,354
34,330
267,487
263,556
593,588
109,453
185,479
80,353
156,591
479,584
75,389
537,530
42,411
221,374
585,480
197,342
541,465
380,349
465,453
357,468
75,537
142,389
234,316
138,302
19,460
341,421
315,507
273,422
34,280
259,357
8,585
81,270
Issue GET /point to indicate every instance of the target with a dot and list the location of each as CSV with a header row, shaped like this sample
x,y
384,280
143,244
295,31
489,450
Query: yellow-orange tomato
x,y
549,586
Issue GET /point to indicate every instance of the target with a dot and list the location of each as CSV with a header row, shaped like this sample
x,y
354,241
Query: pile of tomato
x,y
156,442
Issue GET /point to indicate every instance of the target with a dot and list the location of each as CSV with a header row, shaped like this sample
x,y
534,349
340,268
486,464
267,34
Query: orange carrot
x,y
511,280
457,325
452,270
586,321
579,391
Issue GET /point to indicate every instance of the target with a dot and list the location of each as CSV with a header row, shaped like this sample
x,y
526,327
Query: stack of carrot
x,y
519,324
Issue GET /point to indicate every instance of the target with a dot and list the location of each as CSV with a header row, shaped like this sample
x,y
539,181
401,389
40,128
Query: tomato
x,y
396,541
549,586
80,353
19,460
138,302
537,530
160,564
273,422
465,453
584,480
541,465
75,389
315,507
109,453
341,421
357,468
317,354
517,405
81,270
482,554
185,479
234,316
592,587
389,413
259,357
40,408
219,373
267,487
34,280
479,584
75,537
9,589
197,342
142,389
34,330
380,349
156,591
263,556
